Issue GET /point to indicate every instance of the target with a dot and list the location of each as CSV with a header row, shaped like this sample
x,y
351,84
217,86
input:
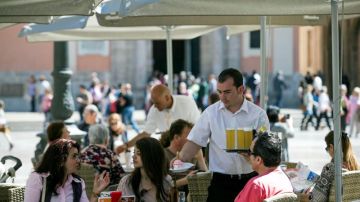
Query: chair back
x,y
283,197
11,192
198,186
351,186
87,173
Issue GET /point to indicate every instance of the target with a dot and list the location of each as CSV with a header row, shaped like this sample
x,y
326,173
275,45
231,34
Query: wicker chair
x,y
87,173
351,186
284,197
198,186
11,192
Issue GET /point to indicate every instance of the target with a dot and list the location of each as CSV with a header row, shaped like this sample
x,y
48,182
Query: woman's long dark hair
x,y
154,163
53,162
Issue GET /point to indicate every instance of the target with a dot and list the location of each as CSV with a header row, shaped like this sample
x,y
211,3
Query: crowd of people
x,y
186,127
317,105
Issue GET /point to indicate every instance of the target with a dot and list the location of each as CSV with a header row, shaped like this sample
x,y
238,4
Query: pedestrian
x,y
83,99
32,92
279,86
230,170
127,106
324,108
4,129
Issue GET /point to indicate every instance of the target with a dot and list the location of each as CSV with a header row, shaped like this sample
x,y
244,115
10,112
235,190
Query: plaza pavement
x,y
307,146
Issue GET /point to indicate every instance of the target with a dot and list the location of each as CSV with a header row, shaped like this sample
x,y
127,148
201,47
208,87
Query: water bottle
x,y
181,196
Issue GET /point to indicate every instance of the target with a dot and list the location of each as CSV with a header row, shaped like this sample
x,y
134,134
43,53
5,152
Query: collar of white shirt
x,y
172,109
244,107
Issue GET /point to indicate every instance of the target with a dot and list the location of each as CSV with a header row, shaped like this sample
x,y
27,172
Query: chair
x,y
11,192
87,173
283,197
198,186
351,186
17,194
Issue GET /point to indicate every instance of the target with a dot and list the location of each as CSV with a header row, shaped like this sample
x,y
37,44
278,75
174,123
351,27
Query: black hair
x,y
54,130
268,147
231,73
53,162
273,113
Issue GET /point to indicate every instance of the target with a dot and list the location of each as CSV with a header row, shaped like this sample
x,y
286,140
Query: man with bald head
x,y
166,109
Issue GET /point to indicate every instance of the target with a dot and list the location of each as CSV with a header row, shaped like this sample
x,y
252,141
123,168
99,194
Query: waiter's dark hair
x,y
231,73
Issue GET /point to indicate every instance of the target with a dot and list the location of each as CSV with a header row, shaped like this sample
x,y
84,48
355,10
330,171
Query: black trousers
x,y
225,187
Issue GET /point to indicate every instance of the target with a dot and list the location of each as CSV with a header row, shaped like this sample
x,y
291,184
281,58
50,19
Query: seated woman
x,y
54,178
149,181
57,130
118,133
321,189
98,155
173,140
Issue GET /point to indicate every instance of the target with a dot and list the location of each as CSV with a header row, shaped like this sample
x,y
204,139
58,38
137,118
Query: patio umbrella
x,y
25,19
47,7
64,29
91,30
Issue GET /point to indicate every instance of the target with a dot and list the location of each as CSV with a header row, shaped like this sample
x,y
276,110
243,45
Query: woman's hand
x,y
101,182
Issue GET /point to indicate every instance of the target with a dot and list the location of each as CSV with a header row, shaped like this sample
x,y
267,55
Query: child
x,y
3,128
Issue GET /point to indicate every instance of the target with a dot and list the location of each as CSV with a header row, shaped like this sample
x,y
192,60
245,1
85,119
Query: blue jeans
x,y
127,116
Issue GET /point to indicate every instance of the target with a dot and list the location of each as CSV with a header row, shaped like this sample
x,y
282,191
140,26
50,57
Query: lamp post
x,y
62,106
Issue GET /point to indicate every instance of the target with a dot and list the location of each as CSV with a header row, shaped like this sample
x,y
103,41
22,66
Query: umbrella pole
x,y
336,98
169,58
263,66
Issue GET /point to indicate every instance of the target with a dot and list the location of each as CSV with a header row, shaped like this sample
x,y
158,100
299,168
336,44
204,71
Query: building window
x,y
93,48
255,39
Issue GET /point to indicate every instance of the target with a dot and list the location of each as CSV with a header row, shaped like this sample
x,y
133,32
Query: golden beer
x,y
230,138
244,138
248,138
240,139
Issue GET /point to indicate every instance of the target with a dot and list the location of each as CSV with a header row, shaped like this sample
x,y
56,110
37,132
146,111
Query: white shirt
x,y
34,186
184,107
324,102
212,125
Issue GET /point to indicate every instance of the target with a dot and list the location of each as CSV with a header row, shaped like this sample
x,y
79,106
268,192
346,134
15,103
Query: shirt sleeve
x,y
124,186
263,121
33,188
150,125
321,190
200,133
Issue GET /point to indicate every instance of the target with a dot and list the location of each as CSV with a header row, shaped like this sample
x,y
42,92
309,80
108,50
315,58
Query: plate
x,y
186,166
